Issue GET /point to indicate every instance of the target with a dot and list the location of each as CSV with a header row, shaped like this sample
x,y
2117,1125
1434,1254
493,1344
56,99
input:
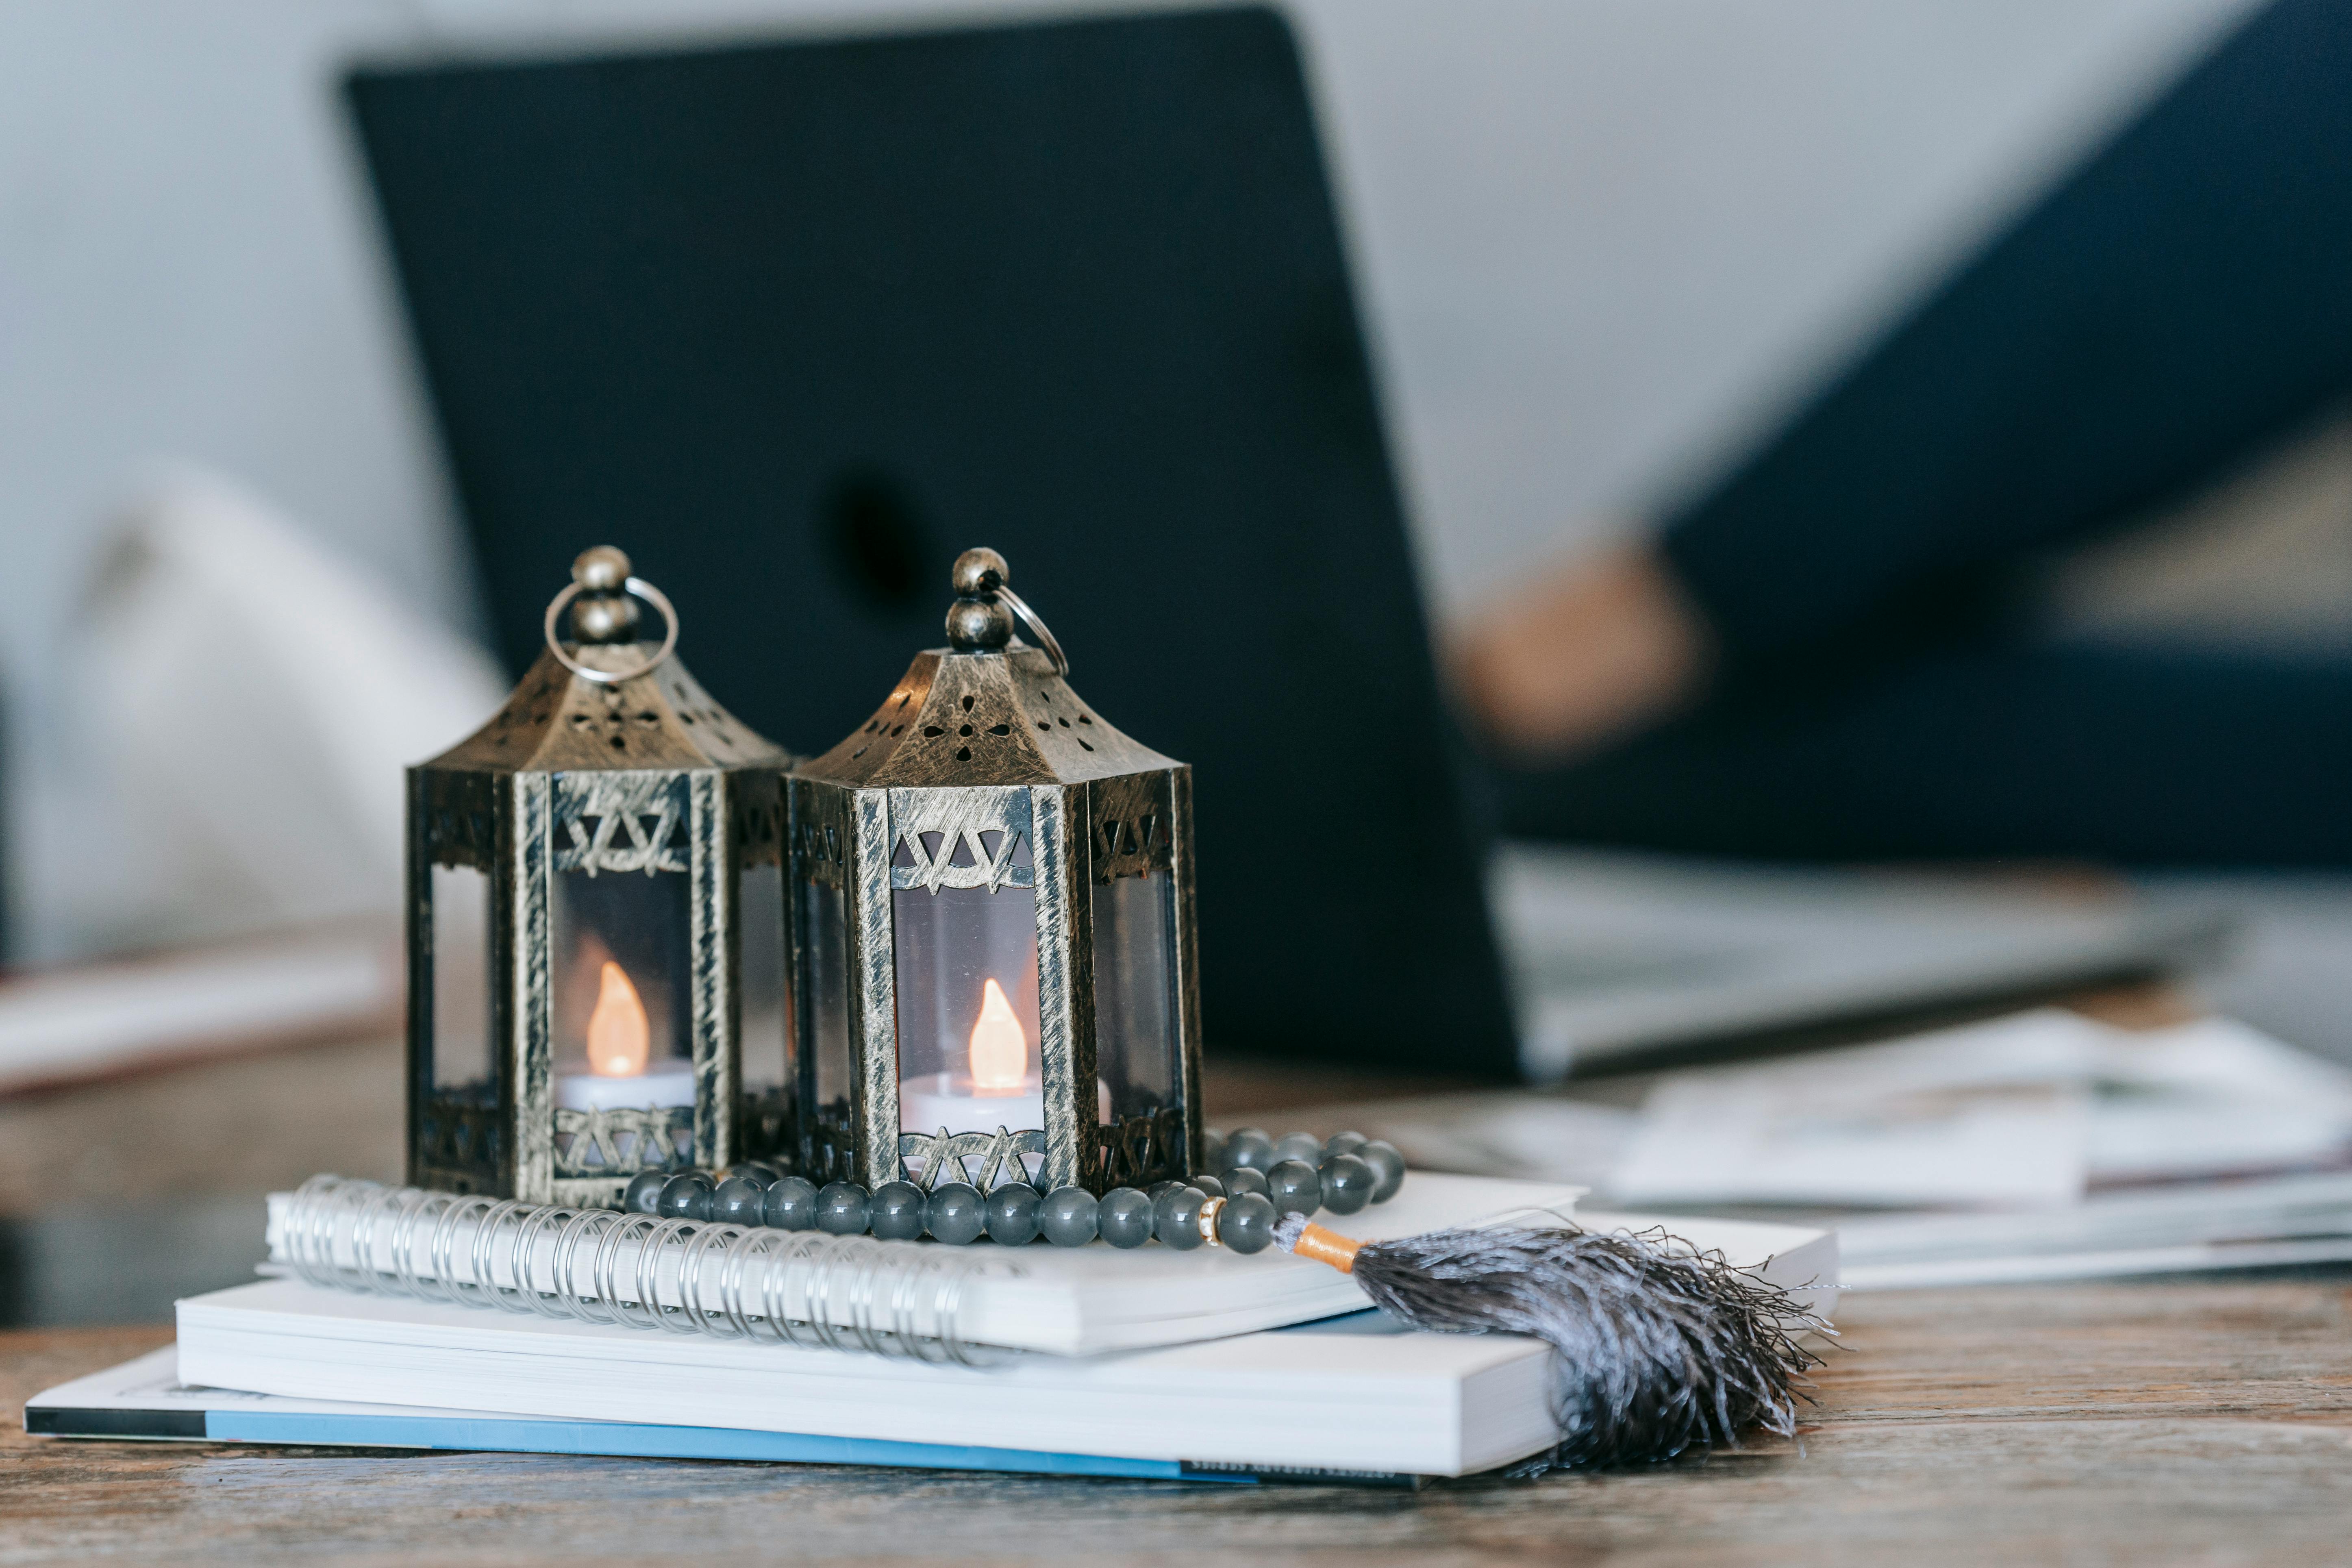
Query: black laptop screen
x,y
794,322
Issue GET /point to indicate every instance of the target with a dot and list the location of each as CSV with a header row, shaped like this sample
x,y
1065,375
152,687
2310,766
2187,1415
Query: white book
x,y
1320,1397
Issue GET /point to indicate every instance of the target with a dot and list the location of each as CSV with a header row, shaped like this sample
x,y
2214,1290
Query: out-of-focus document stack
x,y
2033,1110
2042,1145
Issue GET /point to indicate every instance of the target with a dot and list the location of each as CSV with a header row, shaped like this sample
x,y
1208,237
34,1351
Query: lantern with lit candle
x,y
596,930
992,928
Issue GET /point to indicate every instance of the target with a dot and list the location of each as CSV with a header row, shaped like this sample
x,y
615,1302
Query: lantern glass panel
x,y
618,959
966,977
1135,1005
464,1066
825,927
764,1040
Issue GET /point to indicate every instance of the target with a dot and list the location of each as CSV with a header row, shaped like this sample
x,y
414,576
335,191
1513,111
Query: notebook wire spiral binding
x,y
804,1289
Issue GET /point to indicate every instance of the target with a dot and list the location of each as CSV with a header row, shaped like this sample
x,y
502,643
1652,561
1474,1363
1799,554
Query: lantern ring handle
x,y
642,590
1035,626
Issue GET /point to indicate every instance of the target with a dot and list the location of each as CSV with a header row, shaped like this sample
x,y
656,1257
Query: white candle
x,y
951,1101
660,1086
947,1099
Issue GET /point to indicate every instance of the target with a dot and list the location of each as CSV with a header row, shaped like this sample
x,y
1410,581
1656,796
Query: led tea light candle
x,y
620,1038
1000,1086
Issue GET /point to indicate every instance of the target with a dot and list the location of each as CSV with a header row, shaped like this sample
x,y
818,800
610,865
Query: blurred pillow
x,y
241,706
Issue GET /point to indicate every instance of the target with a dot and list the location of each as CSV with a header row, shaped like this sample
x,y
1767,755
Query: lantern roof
x,y
557,721
984,710
982,718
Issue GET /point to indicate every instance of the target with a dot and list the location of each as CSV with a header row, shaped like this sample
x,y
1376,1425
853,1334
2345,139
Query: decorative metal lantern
x,y
596,924
992,928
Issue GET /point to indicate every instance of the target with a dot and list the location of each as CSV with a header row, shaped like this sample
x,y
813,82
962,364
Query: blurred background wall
x,y
1599,241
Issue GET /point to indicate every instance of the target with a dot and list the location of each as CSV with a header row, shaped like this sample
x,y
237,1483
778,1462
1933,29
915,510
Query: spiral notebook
x,y
1356,1393
895,1297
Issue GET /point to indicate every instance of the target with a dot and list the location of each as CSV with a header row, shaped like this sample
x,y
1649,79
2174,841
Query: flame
x,y
1000,1051
618,1035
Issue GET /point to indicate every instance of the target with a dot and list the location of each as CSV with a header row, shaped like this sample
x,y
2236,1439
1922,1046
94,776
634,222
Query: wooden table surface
x,y
2203,1420
2165,1422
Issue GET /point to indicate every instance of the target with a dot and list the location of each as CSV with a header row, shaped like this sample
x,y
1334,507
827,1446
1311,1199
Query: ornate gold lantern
x,y
596,924
992,928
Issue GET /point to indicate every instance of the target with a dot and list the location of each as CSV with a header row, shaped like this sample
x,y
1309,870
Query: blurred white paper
x,y
2023,1112
1988,1114
2214,1097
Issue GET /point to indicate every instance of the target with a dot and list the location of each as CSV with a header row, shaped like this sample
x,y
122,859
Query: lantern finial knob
x,y
603,612
979,625
977,622
980,620
601,570
977,573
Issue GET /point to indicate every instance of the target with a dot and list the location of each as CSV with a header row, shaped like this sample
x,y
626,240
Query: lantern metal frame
x,y
979,739
607,758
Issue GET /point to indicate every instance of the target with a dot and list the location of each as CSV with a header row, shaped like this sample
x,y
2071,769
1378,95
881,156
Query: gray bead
x,y
1246,1223
1176,1218
897,1211
644,1193
956,1213
1154,1191
1348,1184
1209,1184
740,1201
1249,1149
1125,1216
1240,1179
844,1209
1295,1187
792,1204
759,1170
1343,1144
1068,1216
1387,1163
686,1195
1303,1147
1013,1214
1213,1149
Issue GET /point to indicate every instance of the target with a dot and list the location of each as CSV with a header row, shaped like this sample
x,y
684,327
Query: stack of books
x,y
1205,1366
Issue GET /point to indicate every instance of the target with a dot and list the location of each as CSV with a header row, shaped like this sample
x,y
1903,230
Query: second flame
x,y
618,1035
1000,1050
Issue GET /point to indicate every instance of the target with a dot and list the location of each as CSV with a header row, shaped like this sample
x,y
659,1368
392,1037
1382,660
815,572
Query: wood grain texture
x,y
2163,1422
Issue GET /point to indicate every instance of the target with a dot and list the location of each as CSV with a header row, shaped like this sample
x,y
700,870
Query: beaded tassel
x,y
1661,1348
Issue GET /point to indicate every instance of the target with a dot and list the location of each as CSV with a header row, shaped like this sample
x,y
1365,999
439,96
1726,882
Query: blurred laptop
x,y
793,322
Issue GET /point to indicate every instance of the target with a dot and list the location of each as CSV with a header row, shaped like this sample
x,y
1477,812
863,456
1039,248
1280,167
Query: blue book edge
x,y
514,1435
